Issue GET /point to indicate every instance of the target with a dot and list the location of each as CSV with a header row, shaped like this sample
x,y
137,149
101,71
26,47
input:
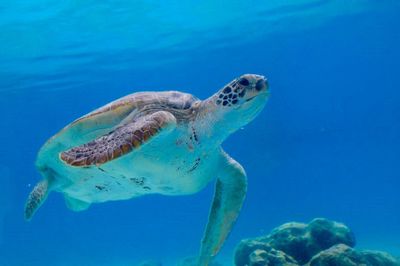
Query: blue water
x,y
326,145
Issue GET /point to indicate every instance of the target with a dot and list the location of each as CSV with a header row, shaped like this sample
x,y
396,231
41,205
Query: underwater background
x,y
326,145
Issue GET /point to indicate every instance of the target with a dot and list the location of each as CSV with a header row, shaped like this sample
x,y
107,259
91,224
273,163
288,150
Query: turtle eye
x,y
244,82
260,85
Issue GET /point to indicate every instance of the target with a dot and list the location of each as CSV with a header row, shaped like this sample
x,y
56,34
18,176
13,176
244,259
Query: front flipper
x,y
229,195
120,141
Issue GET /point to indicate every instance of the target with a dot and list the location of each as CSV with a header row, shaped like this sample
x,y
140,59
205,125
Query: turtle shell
x,y
106,118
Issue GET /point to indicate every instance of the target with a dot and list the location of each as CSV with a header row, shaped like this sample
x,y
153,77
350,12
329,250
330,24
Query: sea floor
x,y
224,259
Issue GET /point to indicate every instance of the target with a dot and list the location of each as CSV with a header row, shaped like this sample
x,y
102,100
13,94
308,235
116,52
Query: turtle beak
x,y
249,99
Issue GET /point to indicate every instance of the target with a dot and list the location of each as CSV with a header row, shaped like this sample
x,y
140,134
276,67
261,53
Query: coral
x,y
272,257
247,247
298,240
320,243
343,255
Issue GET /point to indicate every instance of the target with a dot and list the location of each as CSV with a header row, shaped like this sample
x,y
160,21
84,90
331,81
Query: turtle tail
x,y
36,198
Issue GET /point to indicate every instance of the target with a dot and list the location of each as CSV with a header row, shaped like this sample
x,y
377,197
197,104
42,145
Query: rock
x,y
272,257
247,247
320,243
326,233
293,239
298,240
302,241
379,258
342,255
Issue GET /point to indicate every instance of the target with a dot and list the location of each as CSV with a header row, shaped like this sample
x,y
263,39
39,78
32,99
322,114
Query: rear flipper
x,y
36,198
75,204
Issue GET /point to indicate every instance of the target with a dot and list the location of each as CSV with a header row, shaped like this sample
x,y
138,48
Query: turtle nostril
x,y
261,84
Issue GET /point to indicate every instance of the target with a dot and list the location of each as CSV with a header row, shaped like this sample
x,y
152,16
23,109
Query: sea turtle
x,y
167,143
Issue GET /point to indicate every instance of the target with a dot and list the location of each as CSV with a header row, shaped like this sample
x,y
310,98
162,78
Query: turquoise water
x,y
326,145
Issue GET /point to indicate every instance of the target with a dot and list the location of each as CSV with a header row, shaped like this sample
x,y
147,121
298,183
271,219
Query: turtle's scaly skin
x,y
154,143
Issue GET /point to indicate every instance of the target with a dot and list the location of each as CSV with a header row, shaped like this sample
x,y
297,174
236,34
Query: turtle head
x,y
243,98
240,93
239,101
